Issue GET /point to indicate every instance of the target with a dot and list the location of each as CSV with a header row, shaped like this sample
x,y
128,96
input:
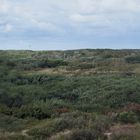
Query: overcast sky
x,y
69,24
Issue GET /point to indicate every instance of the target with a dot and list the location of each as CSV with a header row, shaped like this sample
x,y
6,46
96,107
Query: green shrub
x,y
128,117
36,110
133,59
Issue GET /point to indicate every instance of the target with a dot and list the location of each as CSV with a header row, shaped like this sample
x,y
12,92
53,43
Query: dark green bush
x,y
36,110
128,117
133,59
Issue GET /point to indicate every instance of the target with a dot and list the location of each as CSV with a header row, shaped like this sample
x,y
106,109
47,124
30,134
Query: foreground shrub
x,y
38,110
128,117
101,124
16,137
85,134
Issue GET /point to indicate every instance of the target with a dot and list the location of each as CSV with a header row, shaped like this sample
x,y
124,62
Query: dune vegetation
x,y
70,95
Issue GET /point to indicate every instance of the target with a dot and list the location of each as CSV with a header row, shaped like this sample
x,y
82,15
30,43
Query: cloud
x,y
69,19
8,28
4,6
98,20
56,15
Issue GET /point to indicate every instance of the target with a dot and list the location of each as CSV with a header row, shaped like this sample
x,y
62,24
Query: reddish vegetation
x,y
63,110
131,107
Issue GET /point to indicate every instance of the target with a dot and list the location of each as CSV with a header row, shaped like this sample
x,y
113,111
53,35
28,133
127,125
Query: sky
x,y
69,24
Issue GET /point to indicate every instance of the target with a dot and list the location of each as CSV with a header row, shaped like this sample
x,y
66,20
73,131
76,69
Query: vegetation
x,y
68,95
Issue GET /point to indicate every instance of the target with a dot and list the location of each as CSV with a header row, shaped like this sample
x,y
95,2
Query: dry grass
x,y
125,132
